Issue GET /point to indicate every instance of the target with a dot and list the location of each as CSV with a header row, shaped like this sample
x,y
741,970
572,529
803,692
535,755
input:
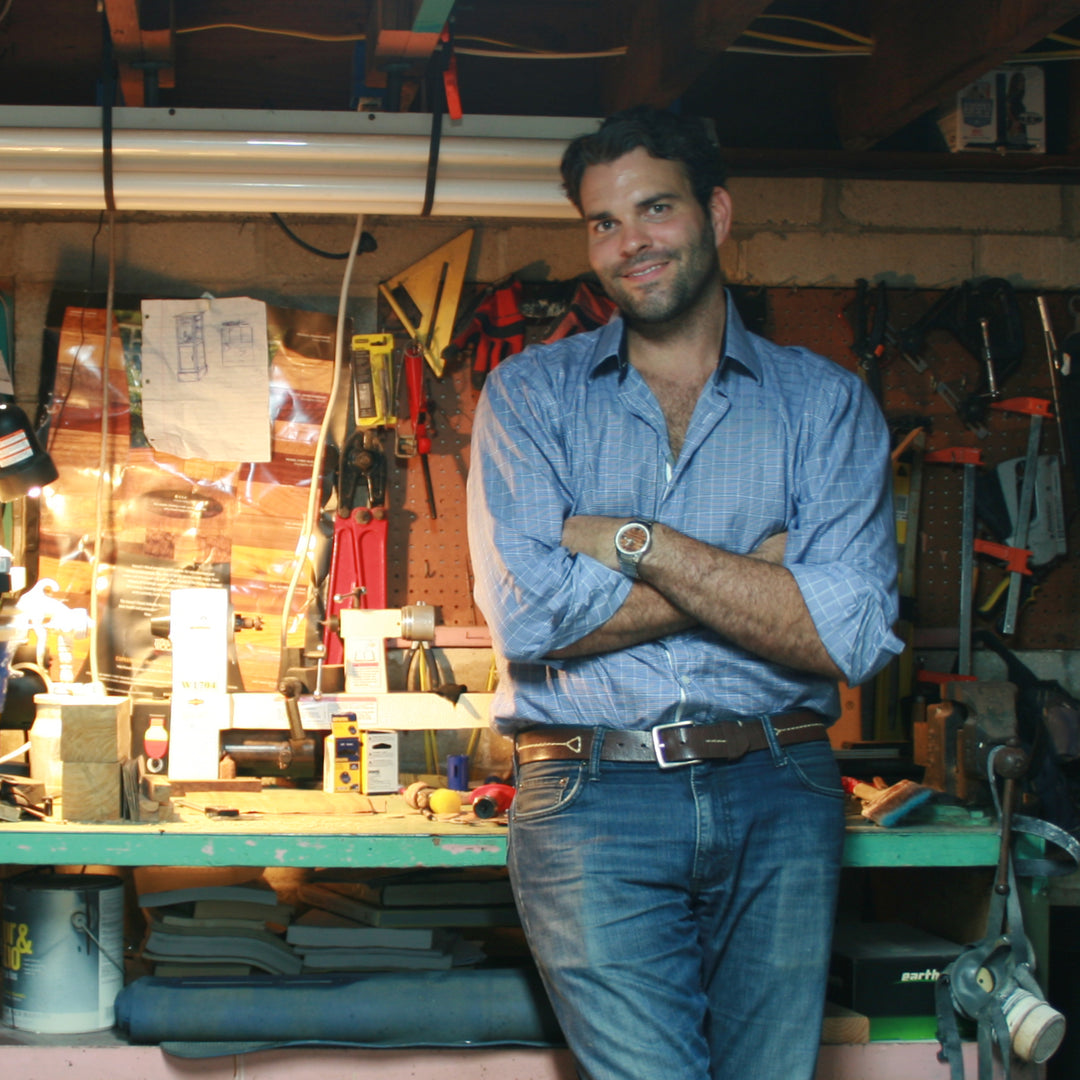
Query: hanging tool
x,y
869,342
1070,347
357,577
894,683
970,459
418,443
1053,360
970,408
1037,409
373,380
425,297
992,390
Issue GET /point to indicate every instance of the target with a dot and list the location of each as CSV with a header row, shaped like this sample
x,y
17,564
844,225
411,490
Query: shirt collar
x,y
738,345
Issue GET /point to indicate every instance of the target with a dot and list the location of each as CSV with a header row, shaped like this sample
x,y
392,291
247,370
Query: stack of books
x,y
218,930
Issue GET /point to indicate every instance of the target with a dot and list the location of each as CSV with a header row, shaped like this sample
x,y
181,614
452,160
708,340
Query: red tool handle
x,y
414,381
953,455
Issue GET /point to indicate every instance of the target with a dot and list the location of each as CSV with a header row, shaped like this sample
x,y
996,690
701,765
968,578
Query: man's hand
x,y
594,536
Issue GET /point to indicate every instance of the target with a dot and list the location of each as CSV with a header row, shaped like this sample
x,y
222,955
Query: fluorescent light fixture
x,y
240,161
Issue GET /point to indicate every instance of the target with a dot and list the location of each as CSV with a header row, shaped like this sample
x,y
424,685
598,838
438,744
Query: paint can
x,y
63,949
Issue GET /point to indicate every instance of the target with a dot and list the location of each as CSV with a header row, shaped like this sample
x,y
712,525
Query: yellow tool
x,y
373,380
425,297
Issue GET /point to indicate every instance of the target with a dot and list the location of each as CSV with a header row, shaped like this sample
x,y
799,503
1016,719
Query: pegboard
x,y
429,557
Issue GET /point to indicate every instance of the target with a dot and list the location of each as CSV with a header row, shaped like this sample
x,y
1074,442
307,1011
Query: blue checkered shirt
x,y
782,440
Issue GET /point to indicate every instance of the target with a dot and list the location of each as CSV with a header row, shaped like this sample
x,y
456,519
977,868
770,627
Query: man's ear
x,y
720,213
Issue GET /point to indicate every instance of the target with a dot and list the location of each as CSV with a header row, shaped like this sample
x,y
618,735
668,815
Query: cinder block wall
x,y
797,232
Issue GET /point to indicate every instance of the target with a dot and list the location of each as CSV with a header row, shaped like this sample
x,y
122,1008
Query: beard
x,y
697,269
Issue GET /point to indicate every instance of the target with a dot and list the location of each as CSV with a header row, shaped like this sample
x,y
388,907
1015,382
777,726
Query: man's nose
x,y
635,238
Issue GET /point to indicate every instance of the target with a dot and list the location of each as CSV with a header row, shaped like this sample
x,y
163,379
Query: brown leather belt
x,y
668,745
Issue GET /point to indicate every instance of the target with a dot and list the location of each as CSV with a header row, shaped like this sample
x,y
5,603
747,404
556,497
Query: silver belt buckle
x,y
658,746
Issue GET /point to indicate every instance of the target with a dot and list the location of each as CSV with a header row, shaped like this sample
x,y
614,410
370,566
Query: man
x,y
682,537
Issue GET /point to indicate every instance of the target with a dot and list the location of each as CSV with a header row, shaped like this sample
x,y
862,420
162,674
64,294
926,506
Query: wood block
x,y
92,729
91,791
234,783
843,1025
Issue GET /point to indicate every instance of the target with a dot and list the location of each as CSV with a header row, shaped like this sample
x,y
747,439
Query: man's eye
x,y
659,209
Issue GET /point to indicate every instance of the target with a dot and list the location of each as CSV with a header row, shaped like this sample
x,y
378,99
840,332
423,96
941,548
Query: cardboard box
x,y
358,760
379,762
1003,110
887,969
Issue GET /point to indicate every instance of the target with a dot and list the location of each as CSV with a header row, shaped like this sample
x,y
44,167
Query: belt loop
x,y
775,749
597,751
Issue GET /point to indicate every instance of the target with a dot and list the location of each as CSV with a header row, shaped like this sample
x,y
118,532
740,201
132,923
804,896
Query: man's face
x,y
651,242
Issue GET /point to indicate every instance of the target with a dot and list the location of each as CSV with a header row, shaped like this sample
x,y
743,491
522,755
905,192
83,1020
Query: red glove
x,y
497,331
589,309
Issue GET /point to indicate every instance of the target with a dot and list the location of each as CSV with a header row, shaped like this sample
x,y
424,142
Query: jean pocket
x,y
545,787
815,767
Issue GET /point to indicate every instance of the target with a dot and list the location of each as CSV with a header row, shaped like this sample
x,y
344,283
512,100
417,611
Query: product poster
x,y
168,521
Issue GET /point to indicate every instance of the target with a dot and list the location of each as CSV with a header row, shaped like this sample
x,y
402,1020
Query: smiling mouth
x,y
645,270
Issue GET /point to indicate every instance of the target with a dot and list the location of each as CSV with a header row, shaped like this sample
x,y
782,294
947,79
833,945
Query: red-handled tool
x,y
1037,409
420,417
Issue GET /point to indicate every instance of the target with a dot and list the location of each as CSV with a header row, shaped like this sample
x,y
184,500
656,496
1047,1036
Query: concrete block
x,y
811,258
57,251
1030,262
914,205
191,255
776,201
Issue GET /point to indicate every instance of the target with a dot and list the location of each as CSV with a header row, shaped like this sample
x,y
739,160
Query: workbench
x,y
396,837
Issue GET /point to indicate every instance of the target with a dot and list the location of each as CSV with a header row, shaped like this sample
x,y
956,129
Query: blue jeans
x,y
681,919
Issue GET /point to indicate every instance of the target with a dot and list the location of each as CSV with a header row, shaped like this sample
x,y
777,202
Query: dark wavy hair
x,y
663,134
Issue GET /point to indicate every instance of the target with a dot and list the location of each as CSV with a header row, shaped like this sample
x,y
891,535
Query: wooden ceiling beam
x,y
927,50
139,51
671,44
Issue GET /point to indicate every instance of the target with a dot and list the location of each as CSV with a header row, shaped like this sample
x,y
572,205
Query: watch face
x,y
632,538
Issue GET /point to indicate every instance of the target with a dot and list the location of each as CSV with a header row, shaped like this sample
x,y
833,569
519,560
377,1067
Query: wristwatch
x,y
632,540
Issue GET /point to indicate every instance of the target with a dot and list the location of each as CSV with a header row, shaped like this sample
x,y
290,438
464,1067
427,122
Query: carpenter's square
x,y
1037,409
970,459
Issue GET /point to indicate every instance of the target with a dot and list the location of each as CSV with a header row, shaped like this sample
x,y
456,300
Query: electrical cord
x,y
303,547
367,242
103,455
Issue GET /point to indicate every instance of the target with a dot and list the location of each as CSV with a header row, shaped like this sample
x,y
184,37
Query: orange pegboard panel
x,y
429,558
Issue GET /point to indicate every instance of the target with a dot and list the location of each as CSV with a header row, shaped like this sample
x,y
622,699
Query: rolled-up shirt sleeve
x,y
842,546
535,595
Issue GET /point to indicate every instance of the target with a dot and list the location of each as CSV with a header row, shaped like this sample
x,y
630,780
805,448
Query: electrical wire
x,y
829,28
303,547
500,54
506,50
103,455
306,35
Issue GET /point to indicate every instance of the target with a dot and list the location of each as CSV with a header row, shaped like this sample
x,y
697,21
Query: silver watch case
x,y
630,557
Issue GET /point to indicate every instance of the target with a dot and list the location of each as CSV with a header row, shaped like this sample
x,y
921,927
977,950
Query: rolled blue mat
x,y
469,1007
